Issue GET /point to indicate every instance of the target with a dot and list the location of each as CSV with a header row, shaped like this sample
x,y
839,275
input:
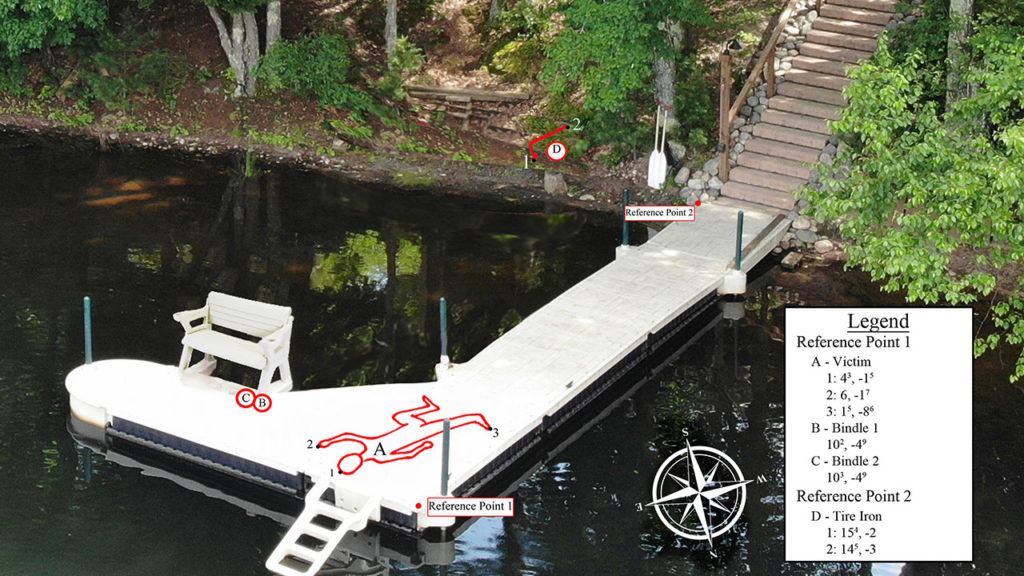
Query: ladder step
x,y
318,530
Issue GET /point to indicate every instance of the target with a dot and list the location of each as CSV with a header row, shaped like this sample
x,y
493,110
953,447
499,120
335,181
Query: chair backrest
x,y
247,316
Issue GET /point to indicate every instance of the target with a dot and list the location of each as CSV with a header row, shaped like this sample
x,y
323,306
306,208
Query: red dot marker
x,y
418,505
697,203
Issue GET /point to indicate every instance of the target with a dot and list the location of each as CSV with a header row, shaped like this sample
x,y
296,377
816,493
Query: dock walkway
x,y
377,448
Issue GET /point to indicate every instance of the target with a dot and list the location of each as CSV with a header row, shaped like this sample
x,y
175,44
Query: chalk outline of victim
x,y
404,418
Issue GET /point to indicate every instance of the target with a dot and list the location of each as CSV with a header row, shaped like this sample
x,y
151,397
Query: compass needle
x,y
716,492
677,495
696,467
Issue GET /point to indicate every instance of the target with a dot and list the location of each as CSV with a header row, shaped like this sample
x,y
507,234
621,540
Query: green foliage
x,y
1009,12
408,60
73,120
116,67
696,104
316,67
358,131
523,34
13,77
932,199
27,25
236,6
602,62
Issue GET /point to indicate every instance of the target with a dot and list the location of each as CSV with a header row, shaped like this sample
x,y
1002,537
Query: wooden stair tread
x,y
820,65
782,150
842,40
837,12
817,79
763,179
876,5
849,27
776,164
757,195
793,120
834,52
790,135
812,93
805,107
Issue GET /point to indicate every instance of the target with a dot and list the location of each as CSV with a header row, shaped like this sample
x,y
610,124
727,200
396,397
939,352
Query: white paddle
x,y
658,164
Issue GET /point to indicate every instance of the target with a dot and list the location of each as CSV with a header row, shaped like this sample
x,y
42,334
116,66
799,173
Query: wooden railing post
x,y
769,70
817,5
724,121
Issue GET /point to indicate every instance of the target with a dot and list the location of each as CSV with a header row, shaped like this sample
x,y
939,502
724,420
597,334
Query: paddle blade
x,y
657,166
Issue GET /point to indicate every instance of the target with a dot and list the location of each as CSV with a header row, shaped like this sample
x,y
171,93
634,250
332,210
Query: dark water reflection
x,y
146,235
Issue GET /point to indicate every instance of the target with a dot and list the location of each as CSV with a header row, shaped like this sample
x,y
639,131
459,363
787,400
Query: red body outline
x,y
403,418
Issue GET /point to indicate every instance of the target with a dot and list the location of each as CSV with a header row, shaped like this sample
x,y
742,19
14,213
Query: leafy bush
x,y
523,34
408,60
115,67
315,67
600,68
932,197
13,78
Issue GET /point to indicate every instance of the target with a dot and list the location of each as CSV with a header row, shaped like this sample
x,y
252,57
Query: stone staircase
x,y
790,137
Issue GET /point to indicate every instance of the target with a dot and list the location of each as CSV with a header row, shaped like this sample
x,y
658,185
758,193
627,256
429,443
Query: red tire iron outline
x,y
549,134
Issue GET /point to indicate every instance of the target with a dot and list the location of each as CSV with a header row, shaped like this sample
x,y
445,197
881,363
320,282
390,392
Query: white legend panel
x,y
878,434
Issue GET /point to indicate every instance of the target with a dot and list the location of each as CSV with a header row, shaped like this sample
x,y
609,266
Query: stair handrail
x,y
728,108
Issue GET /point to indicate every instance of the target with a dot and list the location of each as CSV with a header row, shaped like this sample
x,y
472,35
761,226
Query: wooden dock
x,y
373,453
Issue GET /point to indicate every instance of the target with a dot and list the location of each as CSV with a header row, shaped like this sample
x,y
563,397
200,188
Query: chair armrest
x,y
278,339
187,317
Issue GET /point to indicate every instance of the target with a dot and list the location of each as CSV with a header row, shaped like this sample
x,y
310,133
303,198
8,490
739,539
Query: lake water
x,y
146,234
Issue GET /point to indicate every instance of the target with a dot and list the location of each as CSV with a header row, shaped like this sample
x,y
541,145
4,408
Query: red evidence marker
x,y
535,140
556,151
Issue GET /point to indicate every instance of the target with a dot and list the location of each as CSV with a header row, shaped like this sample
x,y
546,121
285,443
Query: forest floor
x,y
203,117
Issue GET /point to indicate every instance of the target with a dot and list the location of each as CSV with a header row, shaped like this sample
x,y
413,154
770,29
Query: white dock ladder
x,y
317,532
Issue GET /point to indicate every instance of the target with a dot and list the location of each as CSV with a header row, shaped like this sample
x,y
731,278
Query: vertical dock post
x,y
87,314
739,240
625,224
735,280
623,249
445,448
444,330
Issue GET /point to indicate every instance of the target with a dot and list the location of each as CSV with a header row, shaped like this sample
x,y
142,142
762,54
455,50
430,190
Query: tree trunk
x,y
665,85
273,24
250,52
960,14
241,46
495,11
391,28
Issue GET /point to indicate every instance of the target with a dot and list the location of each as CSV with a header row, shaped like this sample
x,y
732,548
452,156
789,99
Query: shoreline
x,y
398,170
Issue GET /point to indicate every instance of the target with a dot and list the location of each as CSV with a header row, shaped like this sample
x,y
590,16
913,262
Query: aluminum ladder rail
x,y
317,532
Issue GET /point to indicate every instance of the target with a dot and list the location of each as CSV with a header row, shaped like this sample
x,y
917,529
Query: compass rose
x,y
699,493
